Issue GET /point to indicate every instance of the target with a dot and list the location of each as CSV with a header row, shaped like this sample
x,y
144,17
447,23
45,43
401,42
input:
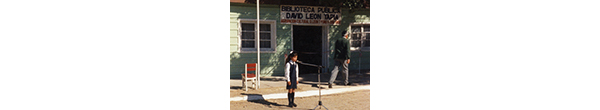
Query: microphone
x,y
309,64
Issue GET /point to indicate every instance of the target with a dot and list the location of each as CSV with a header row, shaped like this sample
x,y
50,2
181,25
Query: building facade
x,y
310,29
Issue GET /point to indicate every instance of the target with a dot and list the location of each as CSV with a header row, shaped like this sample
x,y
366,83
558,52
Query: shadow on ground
x,y
261,100
235,87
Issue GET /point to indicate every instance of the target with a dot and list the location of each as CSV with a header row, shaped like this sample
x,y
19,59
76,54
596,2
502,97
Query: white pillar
x,y
258,42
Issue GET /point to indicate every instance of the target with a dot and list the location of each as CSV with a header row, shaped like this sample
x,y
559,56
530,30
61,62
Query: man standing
x,y
341,55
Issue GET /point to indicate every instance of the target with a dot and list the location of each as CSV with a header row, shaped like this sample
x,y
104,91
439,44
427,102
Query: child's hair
x,y
289,57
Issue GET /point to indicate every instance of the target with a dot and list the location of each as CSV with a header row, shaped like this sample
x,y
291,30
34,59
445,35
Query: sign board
x,y
293,14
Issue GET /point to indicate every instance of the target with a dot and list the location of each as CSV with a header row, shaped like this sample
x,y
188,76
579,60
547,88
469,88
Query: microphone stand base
x,y
320,104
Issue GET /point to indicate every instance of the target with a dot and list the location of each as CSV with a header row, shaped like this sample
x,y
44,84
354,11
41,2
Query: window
x,y
248,37
360,36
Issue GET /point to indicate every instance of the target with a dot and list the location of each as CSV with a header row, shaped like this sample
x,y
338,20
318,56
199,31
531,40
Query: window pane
x,y
368,36
355,28
248,44
367,28
265,27
367,43
355,43
248,26
355,36
248,35
266,36
265,44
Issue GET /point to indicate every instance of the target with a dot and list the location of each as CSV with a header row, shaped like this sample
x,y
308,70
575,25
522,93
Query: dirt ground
x,y
357,100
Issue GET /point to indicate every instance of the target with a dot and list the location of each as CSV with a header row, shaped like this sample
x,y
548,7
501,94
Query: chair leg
x,y
251,84
254,84
244,86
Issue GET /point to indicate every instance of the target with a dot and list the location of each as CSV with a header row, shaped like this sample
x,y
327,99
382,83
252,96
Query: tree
x,y
353,5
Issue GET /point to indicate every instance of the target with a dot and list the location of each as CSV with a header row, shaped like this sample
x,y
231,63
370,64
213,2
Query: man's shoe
x,y
330,85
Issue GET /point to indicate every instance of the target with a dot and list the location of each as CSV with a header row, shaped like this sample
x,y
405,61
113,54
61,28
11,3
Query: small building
x,y
309,27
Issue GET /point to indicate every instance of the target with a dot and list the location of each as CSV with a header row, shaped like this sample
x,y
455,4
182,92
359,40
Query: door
x,y
307,41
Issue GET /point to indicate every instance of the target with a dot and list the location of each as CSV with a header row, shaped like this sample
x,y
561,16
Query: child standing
x,y
291,73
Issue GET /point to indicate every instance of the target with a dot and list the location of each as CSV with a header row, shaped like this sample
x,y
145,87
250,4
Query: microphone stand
x,y
318,84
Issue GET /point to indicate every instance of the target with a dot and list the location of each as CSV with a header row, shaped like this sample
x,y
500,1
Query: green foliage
x,y
353,5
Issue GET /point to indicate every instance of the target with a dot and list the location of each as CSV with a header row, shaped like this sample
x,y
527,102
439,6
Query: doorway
x,y
308,42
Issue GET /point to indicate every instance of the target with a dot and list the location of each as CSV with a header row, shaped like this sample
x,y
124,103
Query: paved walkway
x,y
265,82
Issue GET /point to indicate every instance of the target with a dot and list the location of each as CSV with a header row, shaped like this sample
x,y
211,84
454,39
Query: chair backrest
x,y
251,67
